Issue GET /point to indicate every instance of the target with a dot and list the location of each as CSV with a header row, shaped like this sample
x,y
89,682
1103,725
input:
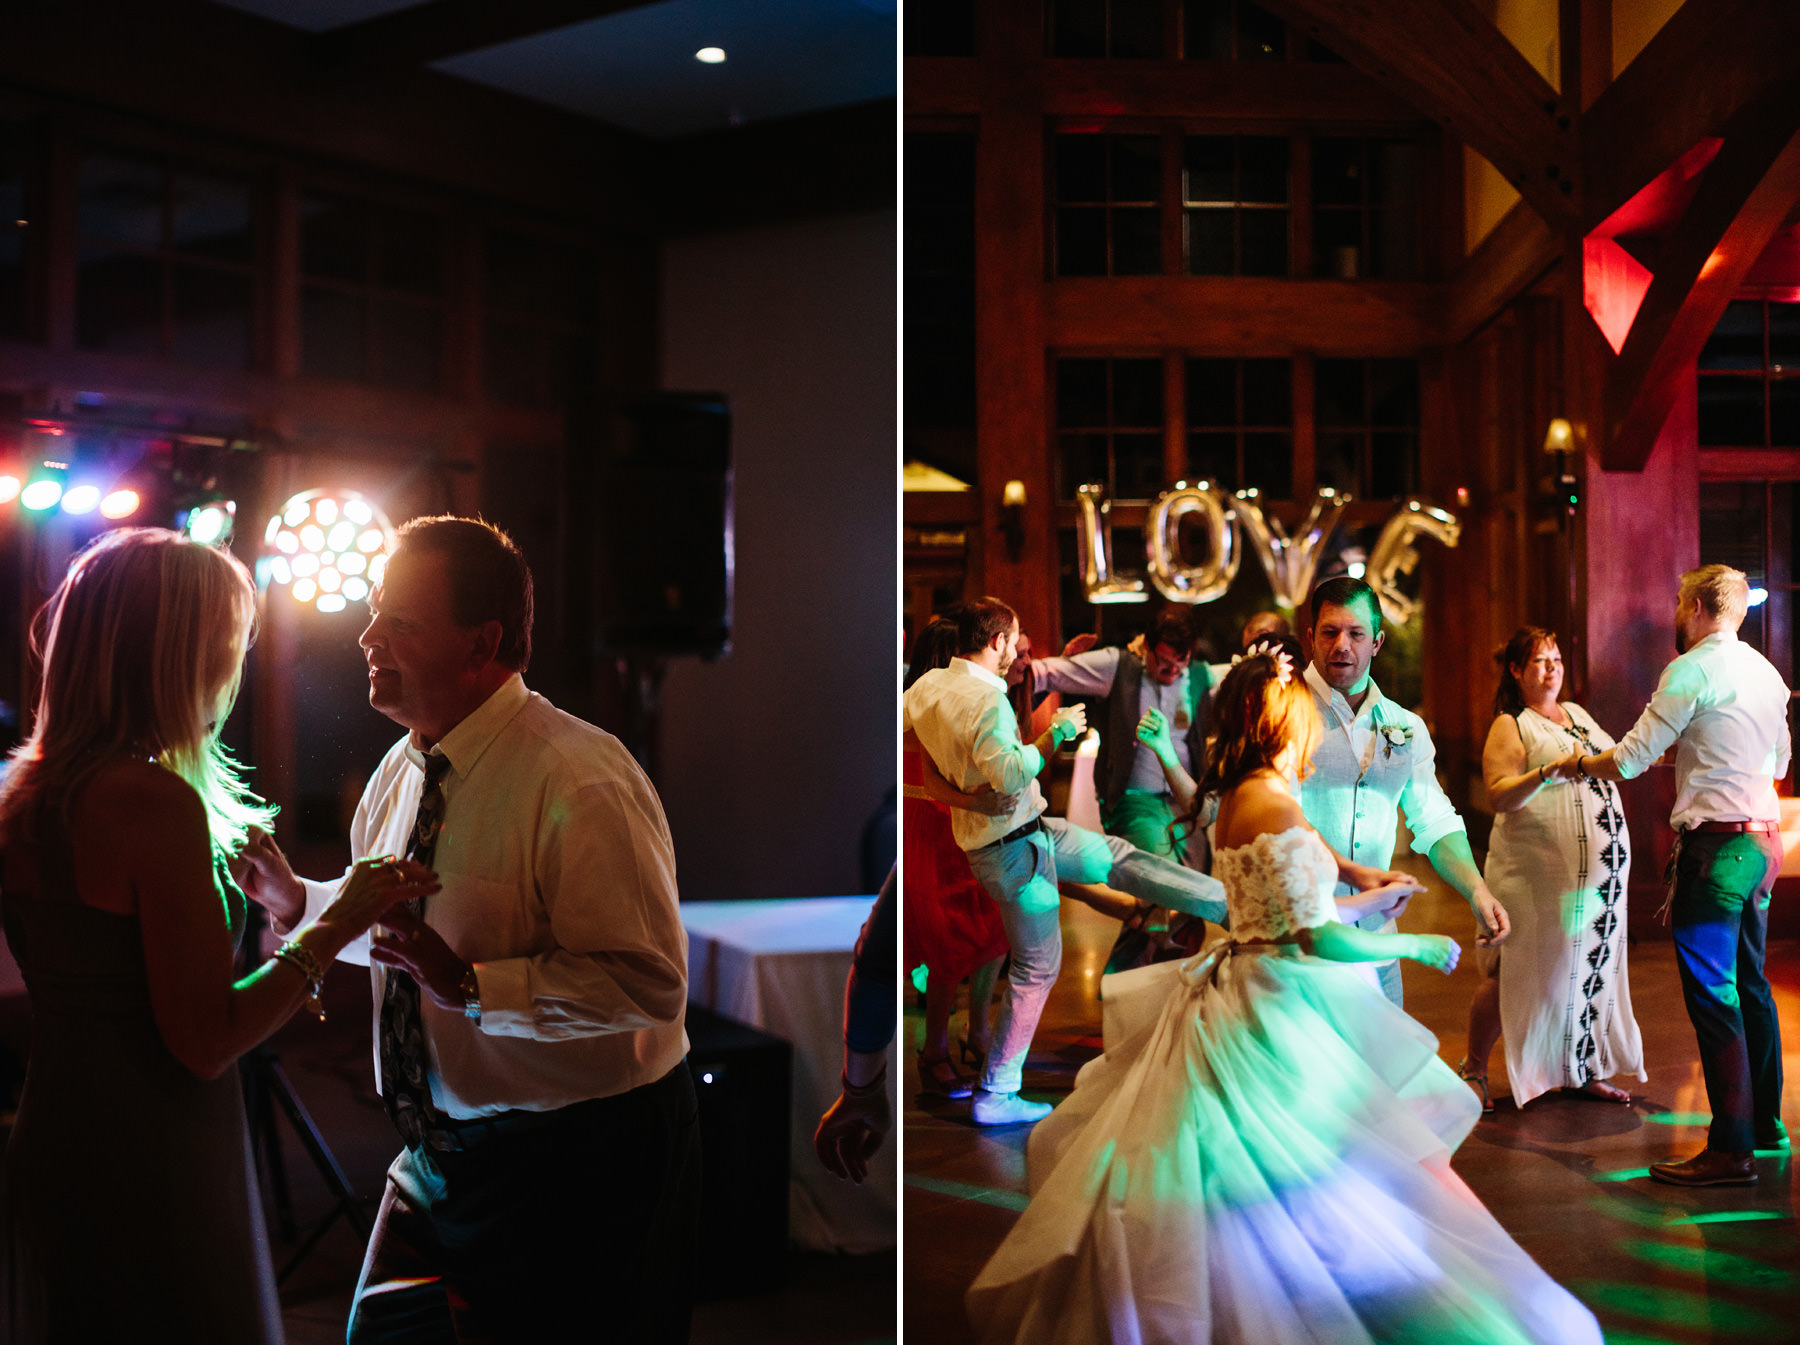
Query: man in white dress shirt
x,y
549,1187
1724,709
964,722
1375,762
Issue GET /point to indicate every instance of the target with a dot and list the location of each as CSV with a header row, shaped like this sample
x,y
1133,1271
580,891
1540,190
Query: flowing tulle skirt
x,y
1262,1155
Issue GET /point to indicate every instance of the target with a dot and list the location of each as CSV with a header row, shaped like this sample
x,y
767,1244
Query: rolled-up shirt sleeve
x,y
1003,761
1430,815
1668,713
1089,674
616,956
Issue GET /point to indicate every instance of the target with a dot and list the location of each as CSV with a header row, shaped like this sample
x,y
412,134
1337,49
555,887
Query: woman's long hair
x,y
141,649
1509,696
1261,707
934,646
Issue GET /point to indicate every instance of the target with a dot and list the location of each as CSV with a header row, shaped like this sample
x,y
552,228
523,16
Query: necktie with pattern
x,y
403,1059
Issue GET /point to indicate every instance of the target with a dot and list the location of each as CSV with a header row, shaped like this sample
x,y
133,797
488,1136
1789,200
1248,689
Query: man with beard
x,y
1375,762
1723,707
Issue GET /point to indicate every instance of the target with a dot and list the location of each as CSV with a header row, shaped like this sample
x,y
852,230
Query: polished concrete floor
x,y
1659,1265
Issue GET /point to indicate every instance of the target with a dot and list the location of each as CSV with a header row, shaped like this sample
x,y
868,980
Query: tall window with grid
x,y
1367,414
1231,30
166,261
1109,426
1240,424
1235,205
1365,208
373,296
541,298
1750,377
1108,205
1106,28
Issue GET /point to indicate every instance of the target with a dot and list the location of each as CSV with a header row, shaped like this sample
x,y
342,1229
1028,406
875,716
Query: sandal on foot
x,y
1601,1091
1480,1082
938,1076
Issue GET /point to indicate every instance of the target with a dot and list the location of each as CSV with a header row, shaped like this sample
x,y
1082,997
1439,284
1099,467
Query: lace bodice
x,y
1278,883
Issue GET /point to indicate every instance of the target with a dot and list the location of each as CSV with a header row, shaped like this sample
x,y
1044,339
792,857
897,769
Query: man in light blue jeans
x,y
961,717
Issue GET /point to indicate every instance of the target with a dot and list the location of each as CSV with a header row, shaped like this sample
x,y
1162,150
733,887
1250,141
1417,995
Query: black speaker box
x,y
665,545
743,1080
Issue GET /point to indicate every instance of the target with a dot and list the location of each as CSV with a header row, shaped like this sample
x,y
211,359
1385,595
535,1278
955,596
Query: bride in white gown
x,y
1262,1154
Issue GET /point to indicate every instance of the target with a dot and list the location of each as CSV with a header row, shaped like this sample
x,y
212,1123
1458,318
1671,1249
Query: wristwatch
x,y
470,989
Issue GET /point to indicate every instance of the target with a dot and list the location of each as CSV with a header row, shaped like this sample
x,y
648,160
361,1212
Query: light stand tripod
x,y
266,1087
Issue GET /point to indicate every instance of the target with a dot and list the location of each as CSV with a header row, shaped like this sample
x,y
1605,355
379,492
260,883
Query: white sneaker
x,y
1006,1109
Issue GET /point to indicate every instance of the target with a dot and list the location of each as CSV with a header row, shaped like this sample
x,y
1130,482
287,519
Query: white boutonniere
x,y
1395,735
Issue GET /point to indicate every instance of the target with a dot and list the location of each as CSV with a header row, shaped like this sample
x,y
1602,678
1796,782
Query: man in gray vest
x,y
1135,803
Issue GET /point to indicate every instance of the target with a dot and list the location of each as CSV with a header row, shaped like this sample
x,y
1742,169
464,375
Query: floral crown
x,y
1283,661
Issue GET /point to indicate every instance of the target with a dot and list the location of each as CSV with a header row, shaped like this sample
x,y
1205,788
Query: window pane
x,y
1206,30
1393,244
1137,241
940,28
1731,412
1784,336
408,338
1337,244
1212,392
1737,342
119,305
1393,392
334,238
121,200
1079,28
1213,457
1784,412
1269,464
1081,241
1137,466
1211,246
1337,171
1136,168
1264,235
212,317
1080,393
412,252
212,218
1137,392
1268,392
1263,169
1338,392
1207,169
1261,35
332,340
1083,460
1393,465
1080,168
1137,28
1338,463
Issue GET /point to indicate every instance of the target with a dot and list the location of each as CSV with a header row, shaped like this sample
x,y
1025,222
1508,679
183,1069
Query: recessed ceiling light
x,y
710,55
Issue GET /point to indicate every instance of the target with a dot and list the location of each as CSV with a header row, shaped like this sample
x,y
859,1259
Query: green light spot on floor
x,y
1715,1266
1733,1217
1632,1338
984,1195
1622,1175
1679,1118
1680,1309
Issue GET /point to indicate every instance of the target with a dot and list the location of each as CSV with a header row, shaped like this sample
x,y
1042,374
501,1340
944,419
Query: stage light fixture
x,y
120,504
327,547
710,56
82,499
9,488
211,524
41,494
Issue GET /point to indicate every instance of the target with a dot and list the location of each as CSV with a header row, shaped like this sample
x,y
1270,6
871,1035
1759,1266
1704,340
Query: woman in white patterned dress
x,y
1262,1153
1558,862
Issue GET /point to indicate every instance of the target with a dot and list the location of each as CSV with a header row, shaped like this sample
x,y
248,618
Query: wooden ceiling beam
x,y
1745,196
1448,60
1708,62
1512,258
438,29
1243,315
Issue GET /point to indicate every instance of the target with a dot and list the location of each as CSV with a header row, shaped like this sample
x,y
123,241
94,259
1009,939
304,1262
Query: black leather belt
x,y
1019,833
1766,828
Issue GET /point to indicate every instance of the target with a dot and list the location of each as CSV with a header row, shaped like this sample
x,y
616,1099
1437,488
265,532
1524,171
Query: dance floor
x,y
1659,1265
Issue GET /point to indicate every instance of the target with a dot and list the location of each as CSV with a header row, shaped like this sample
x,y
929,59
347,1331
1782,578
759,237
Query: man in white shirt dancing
x,y
1723,707
1376,761
966,725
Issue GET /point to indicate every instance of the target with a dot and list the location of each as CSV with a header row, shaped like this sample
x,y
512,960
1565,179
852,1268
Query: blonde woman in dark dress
x,y
130,1200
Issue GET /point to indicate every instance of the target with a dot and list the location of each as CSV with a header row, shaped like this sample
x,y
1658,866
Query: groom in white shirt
x,y
1376,761
1724,709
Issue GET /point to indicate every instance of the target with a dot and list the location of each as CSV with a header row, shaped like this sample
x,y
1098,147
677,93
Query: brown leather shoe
x,y
1709,1167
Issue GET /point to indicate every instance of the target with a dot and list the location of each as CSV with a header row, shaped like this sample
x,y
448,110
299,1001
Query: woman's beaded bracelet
x,y
298,956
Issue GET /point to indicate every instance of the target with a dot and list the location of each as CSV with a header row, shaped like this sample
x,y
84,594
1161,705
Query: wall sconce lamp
x,y
1559,442
1012,518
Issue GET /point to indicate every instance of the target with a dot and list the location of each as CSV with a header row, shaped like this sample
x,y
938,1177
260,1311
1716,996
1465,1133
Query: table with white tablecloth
x,y
780,966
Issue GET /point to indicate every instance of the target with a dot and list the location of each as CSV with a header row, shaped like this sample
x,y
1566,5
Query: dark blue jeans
x,y
1720,916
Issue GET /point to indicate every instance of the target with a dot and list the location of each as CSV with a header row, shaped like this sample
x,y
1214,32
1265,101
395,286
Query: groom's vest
x,y
1119,743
